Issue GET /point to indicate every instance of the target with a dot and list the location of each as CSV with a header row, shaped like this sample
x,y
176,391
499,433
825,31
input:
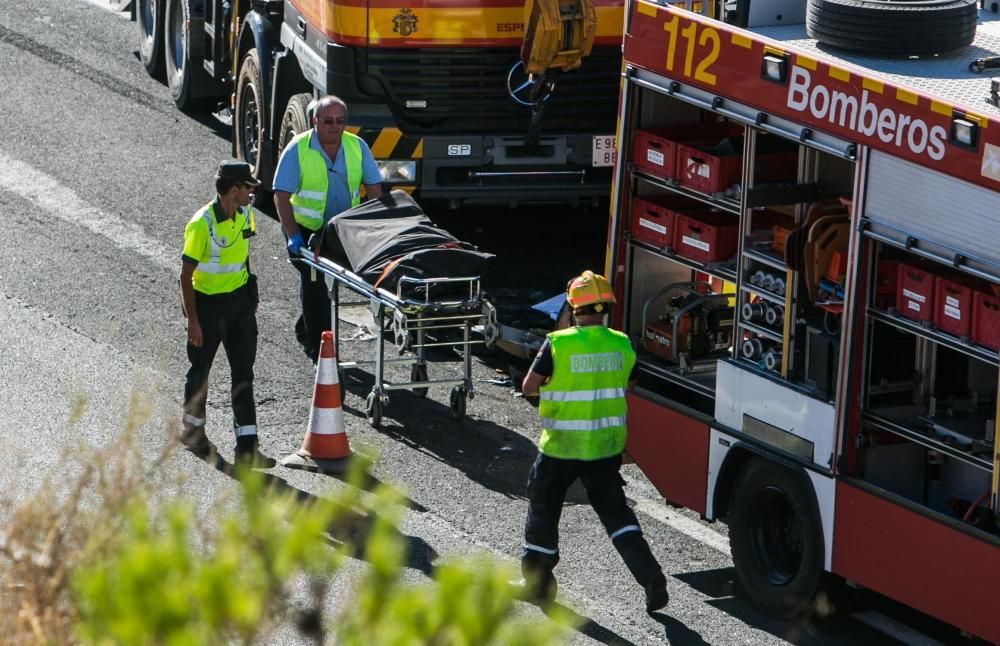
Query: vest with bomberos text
x,y
582,406
309,201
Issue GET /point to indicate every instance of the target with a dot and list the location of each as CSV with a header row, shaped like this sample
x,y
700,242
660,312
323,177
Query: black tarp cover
x,y
393,230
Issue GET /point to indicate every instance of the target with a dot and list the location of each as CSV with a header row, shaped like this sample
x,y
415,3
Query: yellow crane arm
x,y
558,34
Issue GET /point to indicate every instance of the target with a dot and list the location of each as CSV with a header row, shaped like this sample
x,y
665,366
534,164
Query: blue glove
x,y
295,243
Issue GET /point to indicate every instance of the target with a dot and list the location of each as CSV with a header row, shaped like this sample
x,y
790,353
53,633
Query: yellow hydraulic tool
x,y
558,35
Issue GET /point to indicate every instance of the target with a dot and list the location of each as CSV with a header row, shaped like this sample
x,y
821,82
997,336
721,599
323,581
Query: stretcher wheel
x,y
373,409
457,402
418,372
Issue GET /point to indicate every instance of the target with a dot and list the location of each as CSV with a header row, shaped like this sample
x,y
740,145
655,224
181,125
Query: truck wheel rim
x,y
776,535
177,39
249,121
147,20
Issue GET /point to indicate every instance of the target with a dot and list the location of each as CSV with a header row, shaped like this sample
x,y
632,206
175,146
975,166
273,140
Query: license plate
x,y
603,151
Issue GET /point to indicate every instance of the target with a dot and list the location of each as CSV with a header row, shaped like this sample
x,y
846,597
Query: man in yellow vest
x,y
219,295
319,174
581,374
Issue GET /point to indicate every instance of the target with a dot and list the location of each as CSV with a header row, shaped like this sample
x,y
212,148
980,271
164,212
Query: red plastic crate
x,y
655,150
986,320
886,279
915,293
953,306
714,168
706,236
653,218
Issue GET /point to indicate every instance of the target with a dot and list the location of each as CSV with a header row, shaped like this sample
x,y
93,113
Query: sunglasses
x,y
339,121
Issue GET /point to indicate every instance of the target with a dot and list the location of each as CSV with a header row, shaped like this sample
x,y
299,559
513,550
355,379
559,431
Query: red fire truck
x,y
805,244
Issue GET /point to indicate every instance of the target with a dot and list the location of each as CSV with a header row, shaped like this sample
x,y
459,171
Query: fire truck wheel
x,y
776,537
248,119
891,27
190,85
148,19
294,121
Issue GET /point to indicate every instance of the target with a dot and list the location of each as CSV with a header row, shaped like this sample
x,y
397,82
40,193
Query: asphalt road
x,y
98,175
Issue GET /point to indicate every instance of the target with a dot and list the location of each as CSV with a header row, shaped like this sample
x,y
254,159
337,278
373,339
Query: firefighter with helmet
x,y
581,374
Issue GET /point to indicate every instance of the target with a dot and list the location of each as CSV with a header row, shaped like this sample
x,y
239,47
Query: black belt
x,y
237,294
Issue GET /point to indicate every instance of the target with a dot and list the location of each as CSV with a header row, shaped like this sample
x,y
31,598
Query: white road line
x,y
53,199
894,629
683,524
107,5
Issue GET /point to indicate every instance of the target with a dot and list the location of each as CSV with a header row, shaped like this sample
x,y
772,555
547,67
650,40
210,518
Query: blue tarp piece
x,y
551,306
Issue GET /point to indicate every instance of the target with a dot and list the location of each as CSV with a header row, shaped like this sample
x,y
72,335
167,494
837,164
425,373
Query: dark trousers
x,y
547,484
227,319
315,316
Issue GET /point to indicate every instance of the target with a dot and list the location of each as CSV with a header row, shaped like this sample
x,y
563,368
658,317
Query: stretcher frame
x,y
410,320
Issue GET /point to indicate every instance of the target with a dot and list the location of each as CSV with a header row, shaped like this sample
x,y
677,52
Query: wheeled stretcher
x,y
423,288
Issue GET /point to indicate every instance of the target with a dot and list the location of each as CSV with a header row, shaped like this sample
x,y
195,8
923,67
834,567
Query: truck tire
x,y
776,537
249,117
294,121
148,19
190,85
896,28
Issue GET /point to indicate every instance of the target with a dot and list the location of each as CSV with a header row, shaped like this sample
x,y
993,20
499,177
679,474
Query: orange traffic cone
x,y
325,447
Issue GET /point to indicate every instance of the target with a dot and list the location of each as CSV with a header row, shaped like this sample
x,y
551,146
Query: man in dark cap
x,y
219,295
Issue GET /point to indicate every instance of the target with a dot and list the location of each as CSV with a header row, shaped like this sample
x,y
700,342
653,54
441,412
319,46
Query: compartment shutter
x,y
938,214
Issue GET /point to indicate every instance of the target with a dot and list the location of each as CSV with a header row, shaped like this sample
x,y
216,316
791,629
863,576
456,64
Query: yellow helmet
x,y
589,289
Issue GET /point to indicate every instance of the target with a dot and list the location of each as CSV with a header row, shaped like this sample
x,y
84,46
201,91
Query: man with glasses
x,y
219,295
320,174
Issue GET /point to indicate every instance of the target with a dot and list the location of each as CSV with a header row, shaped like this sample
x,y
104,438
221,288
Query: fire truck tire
x,y
148,19
776,537
190,85
294,121
249,115
894,28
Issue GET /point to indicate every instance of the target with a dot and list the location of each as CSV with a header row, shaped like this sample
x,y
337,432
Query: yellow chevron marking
x,y
742,41
806,62
353,129
906,96
941,108
385,142
872,85
839,74
646,9
418,153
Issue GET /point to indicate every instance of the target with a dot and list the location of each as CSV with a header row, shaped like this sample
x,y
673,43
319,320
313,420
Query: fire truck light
x,y
964,132
774,68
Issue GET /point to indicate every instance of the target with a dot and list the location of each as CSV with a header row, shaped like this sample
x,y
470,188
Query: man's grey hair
x,y
316,104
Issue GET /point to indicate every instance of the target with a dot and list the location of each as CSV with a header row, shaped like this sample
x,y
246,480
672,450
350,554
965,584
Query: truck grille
x,y
466,89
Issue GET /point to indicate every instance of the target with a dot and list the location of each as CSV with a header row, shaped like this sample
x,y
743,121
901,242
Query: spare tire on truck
x,y
893,27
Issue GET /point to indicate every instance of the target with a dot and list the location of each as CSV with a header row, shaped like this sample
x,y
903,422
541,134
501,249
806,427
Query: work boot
x,y
248,455
656,593
195,441
541,592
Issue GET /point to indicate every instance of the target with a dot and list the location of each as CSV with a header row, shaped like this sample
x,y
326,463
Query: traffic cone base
x,y
325,447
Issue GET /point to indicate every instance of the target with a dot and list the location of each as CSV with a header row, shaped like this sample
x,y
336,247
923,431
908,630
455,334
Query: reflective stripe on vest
x,y
225,268
582,406
309,201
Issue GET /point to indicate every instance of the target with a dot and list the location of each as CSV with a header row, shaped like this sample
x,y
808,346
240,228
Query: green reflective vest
x,y
309,202
222,263
582,406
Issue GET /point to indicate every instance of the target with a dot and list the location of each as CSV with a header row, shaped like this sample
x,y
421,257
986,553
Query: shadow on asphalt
x,y
354,527
725,594
491,455
676,633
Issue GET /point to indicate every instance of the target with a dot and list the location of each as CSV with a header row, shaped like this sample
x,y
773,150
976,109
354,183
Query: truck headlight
x,y
398,171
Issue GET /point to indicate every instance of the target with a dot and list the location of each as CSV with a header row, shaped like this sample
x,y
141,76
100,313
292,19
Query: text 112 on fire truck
x,y
805,243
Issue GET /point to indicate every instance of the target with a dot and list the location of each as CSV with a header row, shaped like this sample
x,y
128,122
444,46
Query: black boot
x,y
656,593
538,590
248,454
